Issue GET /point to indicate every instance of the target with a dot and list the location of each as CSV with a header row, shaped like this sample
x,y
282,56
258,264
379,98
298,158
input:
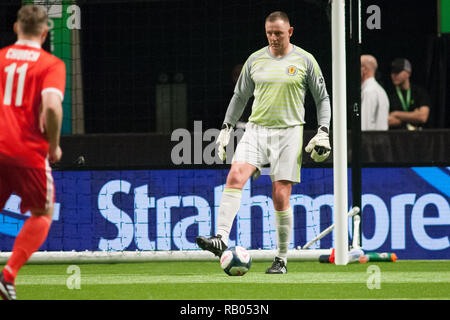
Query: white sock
x,y
284,223
229,207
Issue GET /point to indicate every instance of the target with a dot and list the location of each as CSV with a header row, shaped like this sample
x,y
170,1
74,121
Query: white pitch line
x,y
304,277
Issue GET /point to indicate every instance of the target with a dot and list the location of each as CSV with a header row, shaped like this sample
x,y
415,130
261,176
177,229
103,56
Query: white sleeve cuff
x,y
55,90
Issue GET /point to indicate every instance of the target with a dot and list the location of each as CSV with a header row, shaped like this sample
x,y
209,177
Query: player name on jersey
x,y
20,54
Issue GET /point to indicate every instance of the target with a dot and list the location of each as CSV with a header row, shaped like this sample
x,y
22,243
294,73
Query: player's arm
x,y
319,145
52,114
317,87
53,86
242,92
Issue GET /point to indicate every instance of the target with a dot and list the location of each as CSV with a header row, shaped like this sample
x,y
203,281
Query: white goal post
x,y
352,213
339,130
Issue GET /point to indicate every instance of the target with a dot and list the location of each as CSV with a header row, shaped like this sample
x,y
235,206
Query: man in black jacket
x,y
409,103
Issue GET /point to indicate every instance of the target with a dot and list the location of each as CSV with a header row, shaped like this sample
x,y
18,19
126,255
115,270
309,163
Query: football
x,y
235,261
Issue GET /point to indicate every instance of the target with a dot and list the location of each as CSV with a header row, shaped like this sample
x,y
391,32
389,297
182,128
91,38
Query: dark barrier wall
x,y
126,151
204,40
127,45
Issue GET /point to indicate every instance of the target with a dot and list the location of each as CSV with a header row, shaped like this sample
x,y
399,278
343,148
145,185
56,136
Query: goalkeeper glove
x,y
319,145
223,139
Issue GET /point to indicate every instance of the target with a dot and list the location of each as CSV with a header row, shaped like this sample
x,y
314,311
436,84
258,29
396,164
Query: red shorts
x,y
34,186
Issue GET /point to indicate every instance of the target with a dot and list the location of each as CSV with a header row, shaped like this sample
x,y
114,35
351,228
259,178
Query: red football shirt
x,y
27,71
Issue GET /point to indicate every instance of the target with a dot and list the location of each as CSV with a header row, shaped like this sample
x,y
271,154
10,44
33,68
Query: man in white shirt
x,y
374,100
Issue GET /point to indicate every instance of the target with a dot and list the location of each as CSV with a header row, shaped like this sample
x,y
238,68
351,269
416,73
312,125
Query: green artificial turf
x,y
206,281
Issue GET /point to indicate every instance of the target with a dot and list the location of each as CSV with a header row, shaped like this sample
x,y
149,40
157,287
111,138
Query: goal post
x,y
353,213
339,131
353,46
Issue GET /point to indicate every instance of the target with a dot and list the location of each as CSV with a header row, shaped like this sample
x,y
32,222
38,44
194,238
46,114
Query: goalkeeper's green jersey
x,y
279,86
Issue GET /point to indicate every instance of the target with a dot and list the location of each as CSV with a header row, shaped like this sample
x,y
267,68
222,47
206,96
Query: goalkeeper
x,y
277,76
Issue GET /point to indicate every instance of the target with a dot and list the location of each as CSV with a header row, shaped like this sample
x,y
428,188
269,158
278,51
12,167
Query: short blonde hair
x,y
32,19
369,61
278,15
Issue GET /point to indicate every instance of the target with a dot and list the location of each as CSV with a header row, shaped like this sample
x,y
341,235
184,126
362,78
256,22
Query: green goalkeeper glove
x,y
319,145
222,140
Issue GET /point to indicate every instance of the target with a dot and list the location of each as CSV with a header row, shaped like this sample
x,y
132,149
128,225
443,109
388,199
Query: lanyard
x,y
406,104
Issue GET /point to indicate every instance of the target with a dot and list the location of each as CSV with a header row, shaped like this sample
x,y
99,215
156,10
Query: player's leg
x,y
30,238
7,288
247,161
36,188
239,173
286,147
229,206
281,193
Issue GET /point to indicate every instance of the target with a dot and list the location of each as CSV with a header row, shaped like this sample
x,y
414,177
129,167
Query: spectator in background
x,y
374,100
410,103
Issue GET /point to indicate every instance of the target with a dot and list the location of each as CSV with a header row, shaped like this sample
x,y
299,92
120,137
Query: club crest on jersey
x,y
292,70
